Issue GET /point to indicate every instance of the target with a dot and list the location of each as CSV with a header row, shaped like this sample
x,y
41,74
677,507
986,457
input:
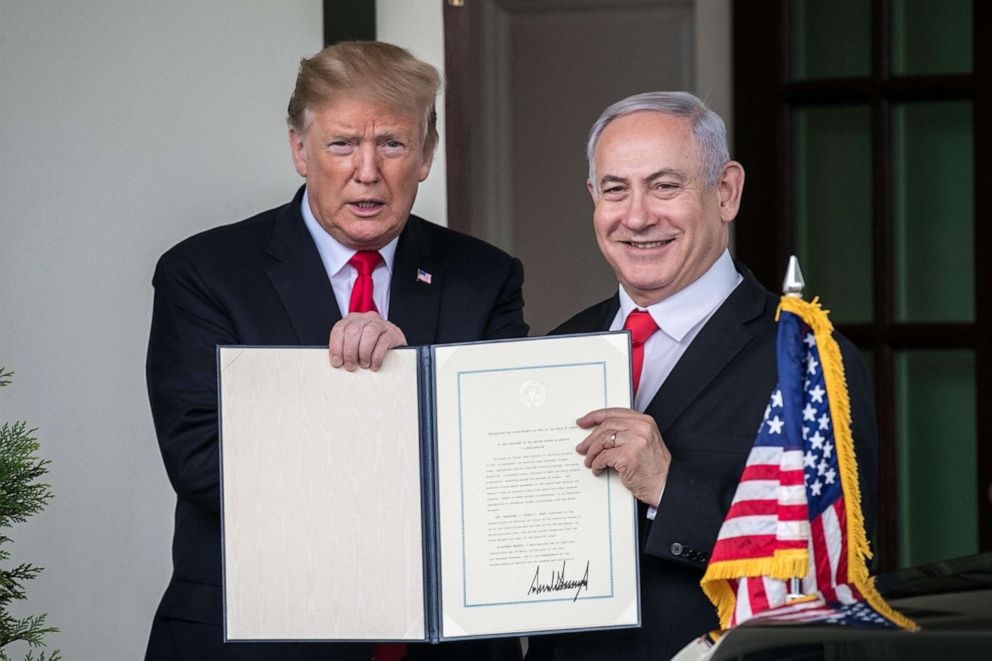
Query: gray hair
x,y
708,128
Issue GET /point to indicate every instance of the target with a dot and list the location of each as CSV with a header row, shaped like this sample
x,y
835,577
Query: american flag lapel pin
x,y
423,276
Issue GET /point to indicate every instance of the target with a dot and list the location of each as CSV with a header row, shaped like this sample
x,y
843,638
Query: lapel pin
x,y
423,276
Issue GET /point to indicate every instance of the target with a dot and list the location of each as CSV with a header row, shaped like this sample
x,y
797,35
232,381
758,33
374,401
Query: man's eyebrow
x,y
666,172
342,134
611,179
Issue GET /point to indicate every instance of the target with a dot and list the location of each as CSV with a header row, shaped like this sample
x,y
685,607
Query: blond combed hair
x,y
374,70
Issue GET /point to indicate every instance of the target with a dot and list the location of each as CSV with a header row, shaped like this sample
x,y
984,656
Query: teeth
x,y
367,205
647,244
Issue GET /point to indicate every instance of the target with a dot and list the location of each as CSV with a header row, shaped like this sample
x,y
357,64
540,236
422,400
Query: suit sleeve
x,y
689,516
181,372
507,317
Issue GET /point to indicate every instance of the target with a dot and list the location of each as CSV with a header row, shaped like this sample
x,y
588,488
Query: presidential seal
x,y
532,393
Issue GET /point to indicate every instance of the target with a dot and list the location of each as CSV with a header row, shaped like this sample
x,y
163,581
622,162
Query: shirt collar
x,y
679,313
334,255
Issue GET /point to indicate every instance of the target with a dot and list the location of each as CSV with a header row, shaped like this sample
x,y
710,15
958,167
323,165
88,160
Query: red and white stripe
x,y
769,511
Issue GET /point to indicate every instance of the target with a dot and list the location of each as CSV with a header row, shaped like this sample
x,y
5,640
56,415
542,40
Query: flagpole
x,y
793,285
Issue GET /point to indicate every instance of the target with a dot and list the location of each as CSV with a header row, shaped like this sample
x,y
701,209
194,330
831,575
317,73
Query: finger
x,y
335,343
594,436
371,335
601,440
349,346
597,417
608,459
604,435
390,340
604,460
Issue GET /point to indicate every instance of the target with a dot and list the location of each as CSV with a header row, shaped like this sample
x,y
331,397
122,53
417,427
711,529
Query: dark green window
x,y
864,129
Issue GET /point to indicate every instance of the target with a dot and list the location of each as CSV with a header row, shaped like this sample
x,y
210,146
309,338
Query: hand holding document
x,y
440,497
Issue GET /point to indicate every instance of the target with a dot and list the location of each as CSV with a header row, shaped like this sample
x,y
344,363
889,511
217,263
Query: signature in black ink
x,y
558,582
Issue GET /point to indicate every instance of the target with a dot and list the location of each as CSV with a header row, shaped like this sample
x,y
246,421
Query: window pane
x,y
931,36
833,208
869,357
935,402
831,39
934,212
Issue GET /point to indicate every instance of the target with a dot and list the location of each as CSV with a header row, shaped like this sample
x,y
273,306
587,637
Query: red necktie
x,y
364,262
389,651
641,327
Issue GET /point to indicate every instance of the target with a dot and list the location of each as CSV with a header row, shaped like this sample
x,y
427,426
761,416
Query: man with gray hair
x,y
703,337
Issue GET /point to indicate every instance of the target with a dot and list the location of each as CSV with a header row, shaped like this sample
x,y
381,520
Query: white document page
x,y
321,497
531,540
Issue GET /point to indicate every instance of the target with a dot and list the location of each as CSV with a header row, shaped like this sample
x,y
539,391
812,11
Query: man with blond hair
x,y
344,264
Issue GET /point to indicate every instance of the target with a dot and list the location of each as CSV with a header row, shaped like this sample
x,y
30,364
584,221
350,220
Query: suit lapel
x,y
414,304
716,345
297,273
608,311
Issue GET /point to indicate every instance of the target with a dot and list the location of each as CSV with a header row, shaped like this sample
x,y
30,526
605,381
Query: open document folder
x,y
438,498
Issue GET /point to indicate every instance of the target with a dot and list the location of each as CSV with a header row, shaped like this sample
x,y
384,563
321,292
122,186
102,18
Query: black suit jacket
x,y
261,282
708,411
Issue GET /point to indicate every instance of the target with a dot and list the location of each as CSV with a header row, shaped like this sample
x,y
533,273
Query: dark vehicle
x,y
951,602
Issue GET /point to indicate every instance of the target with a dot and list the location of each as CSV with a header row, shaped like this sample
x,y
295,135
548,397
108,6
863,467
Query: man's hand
x,y
362,339
630,443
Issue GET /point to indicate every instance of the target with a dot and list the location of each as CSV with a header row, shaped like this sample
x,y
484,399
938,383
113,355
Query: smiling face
x,y
657,224
363,162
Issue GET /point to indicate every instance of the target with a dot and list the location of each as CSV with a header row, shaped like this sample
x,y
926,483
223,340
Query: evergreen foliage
x,y
21,495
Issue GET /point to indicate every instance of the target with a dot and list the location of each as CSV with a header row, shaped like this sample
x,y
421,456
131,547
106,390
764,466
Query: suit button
x,y
676,549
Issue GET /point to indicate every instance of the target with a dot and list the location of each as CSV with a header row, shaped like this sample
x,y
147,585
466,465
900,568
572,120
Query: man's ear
x,y
298,150
425,165
592,190
730,188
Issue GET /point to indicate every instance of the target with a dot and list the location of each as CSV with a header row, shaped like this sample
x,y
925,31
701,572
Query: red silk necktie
x,y
641,327
389,651
364,262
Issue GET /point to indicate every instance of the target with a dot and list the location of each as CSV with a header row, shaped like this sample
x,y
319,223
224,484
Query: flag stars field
x,y
816,441
777,399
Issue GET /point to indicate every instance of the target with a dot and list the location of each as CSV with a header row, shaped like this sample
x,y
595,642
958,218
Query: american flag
x,y
797,509
424,277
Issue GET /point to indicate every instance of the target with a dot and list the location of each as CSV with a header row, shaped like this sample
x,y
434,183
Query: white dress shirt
x,y
679,317
341,274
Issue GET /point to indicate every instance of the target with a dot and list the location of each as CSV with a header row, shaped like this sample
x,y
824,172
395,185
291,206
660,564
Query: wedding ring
x,y
613,440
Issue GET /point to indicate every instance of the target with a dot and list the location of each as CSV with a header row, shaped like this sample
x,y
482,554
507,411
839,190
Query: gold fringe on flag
x,y
858,552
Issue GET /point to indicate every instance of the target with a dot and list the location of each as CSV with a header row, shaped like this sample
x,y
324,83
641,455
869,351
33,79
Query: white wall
x,y
418,26
714,60
125,125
